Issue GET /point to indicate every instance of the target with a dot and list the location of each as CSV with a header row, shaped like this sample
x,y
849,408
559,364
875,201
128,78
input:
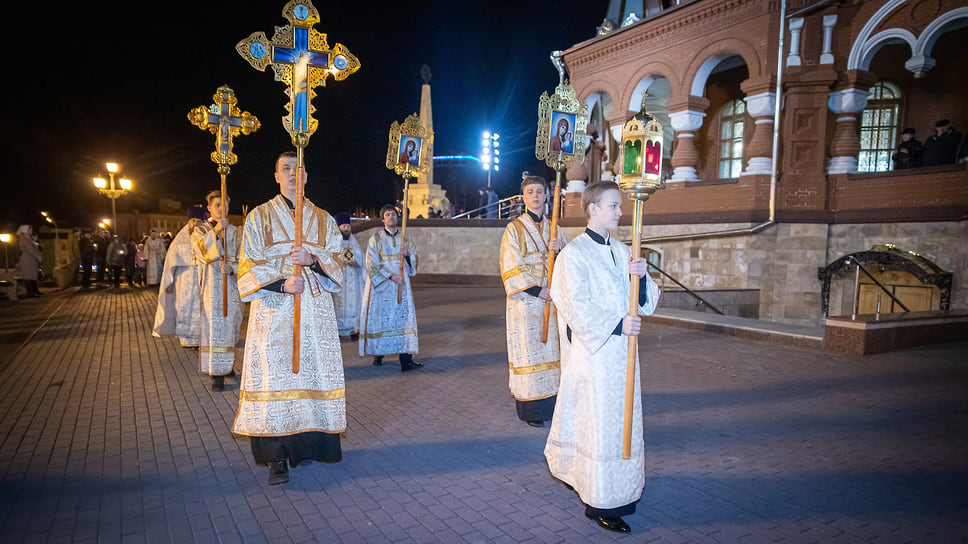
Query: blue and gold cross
x,y
224,119
300,58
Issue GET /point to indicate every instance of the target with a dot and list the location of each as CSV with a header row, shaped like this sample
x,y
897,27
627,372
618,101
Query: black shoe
x,y
406,359
278,472
218,383
407,367
539,424
616,524
354,337
378,360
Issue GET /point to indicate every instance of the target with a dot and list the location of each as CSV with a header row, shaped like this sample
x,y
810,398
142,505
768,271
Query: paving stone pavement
x,y
110,435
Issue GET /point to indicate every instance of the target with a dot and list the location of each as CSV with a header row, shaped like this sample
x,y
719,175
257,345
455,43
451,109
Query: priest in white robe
x,y
216,246
290,418
349,300
533,365
591,291
155,251
388,326
179,311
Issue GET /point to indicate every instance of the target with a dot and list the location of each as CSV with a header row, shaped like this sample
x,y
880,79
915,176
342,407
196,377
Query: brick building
x,y
752,223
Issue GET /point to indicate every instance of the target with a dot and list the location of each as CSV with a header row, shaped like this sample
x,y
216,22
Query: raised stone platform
x,y
880,333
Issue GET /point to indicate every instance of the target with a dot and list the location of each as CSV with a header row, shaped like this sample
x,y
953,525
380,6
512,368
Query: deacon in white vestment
x,y
591,291
388,326
290,418
155,251
533,365
216,246
179,311
349,300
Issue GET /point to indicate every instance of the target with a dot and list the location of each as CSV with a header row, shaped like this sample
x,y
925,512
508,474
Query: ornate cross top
x,y
300,58
224,119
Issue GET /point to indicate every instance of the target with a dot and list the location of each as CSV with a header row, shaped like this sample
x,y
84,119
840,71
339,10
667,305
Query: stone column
x,y
845,145
762,108
685,158
796,25
827,56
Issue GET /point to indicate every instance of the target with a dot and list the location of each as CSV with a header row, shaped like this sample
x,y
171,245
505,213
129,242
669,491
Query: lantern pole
x,y
640,177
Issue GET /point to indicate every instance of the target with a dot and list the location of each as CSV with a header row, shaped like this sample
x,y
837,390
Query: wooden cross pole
x,y
301,59
555,212
403,232
224,119
409,154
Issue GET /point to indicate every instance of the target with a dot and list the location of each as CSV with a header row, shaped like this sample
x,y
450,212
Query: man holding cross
x,y
290,417
216,246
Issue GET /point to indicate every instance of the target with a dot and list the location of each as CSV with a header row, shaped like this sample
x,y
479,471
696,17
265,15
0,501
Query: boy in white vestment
x,y
290,418
216,247
533,365
349,300
591,292
388,326
178,311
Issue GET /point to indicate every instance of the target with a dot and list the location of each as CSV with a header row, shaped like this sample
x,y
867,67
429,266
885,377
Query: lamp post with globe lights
x,y
111,191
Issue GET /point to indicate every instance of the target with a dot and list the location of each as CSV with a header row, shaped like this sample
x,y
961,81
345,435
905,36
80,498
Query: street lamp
x,y
5,238
109,190
490,154
52,222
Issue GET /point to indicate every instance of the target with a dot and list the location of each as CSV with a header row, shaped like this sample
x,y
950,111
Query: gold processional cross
x,y
301,59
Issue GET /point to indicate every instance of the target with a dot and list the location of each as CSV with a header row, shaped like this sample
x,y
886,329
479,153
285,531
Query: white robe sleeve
x,y
590,315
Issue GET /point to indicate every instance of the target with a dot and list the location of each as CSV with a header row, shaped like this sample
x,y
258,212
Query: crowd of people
x,y
110,260
943,146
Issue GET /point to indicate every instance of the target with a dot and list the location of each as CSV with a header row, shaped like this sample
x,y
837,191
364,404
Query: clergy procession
x,y
292,407
304,283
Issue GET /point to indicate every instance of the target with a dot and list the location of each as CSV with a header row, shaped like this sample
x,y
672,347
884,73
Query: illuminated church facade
x,y
753,212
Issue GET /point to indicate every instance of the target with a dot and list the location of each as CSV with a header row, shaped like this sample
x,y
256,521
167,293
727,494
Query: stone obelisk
x,y
423,192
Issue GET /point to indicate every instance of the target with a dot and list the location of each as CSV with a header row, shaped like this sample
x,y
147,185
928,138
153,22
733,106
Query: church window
x,y
878,128
732,120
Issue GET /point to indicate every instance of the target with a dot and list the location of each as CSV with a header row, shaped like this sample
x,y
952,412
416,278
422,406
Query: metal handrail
x,y
873,279
505,207
688,290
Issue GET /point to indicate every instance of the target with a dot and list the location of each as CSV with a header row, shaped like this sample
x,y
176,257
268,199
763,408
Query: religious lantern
x,y
641,158
640,176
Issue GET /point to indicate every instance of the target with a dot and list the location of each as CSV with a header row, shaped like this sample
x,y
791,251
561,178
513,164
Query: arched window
x,y
878,128
732,119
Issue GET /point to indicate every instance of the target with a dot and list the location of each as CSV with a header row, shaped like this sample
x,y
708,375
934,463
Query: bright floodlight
x,y
5,238
126,184
100,183
112,167
487,134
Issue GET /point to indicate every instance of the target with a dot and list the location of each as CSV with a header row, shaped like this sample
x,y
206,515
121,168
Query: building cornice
x,y
665,26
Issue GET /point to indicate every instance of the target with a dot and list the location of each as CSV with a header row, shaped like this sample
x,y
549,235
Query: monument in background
x,y
424,193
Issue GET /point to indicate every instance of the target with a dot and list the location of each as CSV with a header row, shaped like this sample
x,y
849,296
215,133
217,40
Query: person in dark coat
x,y
87,258
129,256
115,259
942,147
101,240
908,152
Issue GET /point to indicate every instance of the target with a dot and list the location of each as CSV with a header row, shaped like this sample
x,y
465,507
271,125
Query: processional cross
x,y
301,59
224,119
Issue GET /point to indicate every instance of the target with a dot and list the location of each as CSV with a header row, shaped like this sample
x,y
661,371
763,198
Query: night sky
x,y
95,82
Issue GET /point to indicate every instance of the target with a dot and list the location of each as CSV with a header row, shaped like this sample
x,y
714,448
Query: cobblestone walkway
x,y
110,435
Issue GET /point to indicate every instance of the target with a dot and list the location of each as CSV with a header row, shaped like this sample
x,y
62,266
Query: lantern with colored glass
x,y
640,177
641,158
